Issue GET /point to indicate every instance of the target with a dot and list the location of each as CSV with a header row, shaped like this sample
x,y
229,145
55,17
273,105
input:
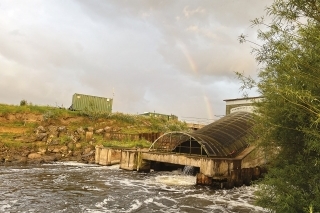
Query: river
x,y
74,187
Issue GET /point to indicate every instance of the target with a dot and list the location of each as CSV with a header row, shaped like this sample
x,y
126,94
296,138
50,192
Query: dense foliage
x,y
288,118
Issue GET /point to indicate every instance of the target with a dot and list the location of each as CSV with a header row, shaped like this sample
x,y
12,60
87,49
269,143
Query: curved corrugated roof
x,y
223,138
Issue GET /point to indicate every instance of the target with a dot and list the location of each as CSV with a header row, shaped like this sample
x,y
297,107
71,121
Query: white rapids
x,y
74,187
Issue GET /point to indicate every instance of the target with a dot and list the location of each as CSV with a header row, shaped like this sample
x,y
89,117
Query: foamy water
x,y
176,180
75,187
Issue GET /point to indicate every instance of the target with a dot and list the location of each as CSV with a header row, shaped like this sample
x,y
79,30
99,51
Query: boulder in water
x,y
34,156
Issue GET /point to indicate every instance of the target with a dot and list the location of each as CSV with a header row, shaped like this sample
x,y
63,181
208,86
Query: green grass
x,y
20,124
46,111
138,123
127,144
11,144
9,135
124,123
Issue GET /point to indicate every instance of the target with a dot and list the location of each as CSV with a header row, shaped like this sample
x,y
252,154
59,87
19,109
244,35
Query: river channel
x,y
74,187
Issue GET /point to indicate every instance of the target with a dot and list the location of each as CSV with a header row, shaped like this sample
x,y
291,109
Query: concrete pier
x,y
107,157
129,160
225,172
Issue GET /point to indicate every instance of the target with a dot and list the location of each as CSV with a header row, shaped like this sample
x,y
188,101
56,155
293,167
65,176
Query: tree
x,y
23,103
287,120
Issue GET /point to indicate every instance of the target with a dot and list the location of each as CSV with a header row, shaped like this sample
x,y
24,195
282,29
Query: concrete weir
x,y
107,156
222,172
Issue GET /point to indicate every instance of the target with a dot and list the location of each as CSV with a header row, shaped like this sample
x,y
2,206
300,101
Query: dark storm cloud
x,y
168,56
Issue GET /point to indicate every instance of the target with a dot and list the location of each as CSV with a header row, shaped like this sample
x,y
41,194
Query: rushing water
x,y
74,187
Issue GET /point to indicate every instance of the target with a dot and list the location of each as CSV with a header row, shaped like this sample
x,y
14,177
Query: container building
x,y
81,102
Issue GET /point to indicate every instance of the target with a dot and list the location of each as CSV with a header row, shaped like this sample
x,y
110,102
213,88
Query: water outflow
x,y
188,170
73,187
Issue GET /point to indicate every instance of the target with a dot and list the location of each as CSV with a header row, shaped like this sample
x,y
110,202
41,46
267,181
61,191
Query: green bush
x,y
23,103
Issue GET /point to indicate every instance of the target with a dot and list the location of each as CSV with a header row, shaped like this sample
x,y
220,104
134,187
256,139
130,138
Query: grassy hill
x,y
46,130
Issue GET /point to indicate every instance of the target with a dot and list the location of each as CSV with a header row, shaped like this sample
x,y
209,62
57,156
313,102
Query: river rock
x,y
116,129
76,153
23,160
99,131
78,145
62,129
91,160
69,153
90,129
89,136
42,150
40,129
34,156
88,154
8,159
55,141
52,129
55,150
87,150
75,138
70,145
49,158
41,137
50,138
58,156
80,131
64,149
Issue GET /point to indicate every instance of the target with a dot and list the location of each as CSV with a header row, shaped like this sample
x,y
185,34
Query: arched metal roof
x,y
225,137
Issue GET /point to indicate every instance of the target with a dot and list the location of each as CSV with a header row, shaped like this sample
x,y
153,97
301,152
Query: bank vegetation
x,y
31,133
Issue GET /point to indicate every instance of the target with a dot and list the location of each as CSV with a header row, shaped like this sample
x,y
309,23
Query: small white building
x,y
241,104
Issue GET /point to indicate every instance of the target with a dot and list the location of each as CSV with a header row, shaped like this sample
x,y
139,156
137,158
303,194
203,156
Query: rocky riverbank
x,y
40,134
48,144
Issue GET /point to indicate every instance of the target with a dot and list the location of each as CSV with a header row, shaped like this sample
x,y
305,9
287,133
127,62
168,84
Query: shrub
x,y
23,103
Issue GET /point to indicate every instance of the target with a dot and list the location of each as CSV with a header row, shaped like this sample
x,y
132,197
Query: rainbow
x,y
194,69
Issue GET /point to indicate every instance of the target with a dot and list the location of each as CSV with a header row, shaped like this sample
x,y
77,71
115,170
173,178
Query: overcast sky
x,y
168,56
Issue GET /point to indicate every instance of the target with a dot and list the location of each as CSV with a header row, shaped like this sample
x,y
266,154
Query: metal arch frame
x,y
161,137
222,138
184,134
214,146
222,123
199,139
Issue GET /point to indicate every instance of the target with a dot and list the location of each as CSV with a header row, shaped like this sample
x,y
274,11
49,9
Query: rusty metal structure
x,y
225,137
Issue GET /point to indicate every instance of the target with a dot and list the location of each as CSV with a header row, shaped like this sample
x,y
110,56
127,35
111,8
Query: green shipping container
x,y
81,102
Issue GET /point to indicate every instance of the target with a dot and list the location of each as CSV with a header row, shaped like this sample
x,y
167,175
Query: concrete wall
x,y
208,166
228,172
107,157
211,167
253,159
128,160
97,154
